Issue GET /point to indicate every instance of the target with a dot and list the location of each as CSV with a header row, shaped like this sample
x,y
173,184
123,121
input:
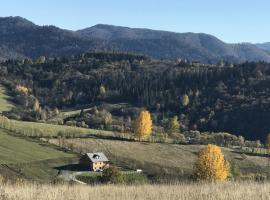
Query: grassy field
x,y
28,159
5,104
50,130
184,191
17,150
164,158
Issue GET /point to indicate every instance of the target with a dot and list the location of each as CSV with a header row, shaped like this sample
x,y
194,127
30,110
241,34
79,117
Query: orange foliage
x,y
143,125
211,164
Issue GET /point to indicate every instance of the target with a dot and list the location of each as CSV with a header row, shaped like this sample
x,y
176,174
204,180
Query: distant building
x,y
94,161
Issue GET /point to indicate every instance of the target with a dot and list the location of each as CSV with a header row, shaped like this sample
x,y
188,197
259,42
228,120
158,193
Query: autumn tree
x,y
211,164
174,125
102,90
143,125
36,106
22,89
185,100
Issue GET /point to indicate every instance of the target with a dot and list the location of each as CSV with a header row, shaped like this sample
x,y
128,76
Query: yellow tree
x,y
143,125
211,164
185,100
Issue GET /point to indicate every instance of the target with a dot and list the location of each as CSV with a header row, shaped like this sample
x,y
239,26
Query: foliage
x,y
268,142
112,175
174,125
21,89
41,59
36,106
185,100
221,99
143,125
211,164
102,90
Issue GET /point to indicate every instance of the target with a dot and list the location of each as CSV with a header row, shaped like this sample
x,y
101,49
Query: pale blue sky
x,y
229,20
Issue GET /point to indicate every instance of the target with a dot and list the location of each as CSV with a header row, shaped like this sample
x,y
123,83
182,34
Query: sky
x,y
230,20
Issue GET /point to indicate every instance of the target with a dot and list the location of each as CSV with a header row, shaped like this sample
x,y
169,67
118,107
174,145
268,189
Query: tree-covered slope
x,y
227,98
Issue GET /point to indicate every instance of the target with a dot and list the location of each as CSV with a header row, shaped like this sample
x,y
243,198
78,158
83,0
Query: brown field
x,y
221,191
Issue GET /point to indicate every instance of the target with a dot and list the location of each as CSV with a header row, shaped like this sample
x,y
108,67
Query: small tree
x,y
185,100
143,125
241,141
21,89
112,175
267,144
55,111
211,164
102,90
174,125
36,106
41,59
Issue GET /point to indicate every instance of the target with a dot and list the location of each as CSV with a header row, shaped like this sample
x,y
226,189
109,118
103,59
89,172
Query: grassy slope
x,y
17,150
5,105
48,130
169,158
31,160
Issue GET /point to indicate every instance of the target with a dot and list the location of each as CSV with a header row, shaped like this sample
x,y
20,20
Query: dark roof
x,y
97,157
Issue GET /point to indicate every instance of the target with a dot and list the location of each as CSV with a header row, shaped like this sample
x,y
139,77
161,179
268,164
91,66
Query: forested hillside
x,y
204,97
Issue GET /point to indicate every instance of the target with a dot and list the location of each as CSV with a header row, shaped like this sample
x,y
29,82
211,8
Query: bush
x,y
134,178
112,175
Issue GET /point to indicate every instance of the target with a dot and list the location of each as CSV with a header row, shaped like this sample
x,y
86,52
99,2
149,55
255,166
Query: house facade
x,y
94,161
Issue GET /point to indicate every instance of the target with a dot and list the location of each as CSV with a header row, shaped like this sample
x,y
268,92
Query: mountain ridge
x,y
21,38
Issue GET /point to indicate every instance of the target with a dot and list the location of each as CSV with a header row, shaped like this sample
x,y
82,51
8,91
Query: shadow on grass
x,y
73,167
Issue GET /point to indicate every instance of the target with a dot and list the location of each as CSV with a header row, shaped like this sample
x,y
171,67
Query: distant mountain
x,y
21,38
264,46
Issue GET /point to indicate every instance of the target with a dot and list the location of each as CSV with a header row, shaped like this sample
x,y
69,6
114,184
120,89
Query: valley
x,y
134,100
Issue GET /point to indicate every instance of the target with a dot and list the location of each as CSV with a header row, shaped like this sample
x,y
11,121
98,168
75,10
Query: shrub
x,y
112,175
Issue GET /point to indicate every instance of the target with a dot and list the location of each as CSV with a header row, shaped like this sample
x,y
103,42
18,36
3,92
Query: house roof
x,y
97,157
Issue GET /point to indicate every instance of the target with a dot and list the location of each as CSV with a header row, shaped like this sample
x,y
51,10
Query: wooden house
x,y
94,161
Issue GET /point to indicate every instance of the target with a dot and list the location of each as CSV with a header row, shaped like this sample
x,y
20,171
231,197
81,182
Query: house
x,y
94,161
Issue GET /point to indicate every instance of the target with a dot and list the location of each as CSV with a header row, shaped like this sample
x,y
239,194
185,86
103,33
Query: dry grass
x,y
157,157
224,191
